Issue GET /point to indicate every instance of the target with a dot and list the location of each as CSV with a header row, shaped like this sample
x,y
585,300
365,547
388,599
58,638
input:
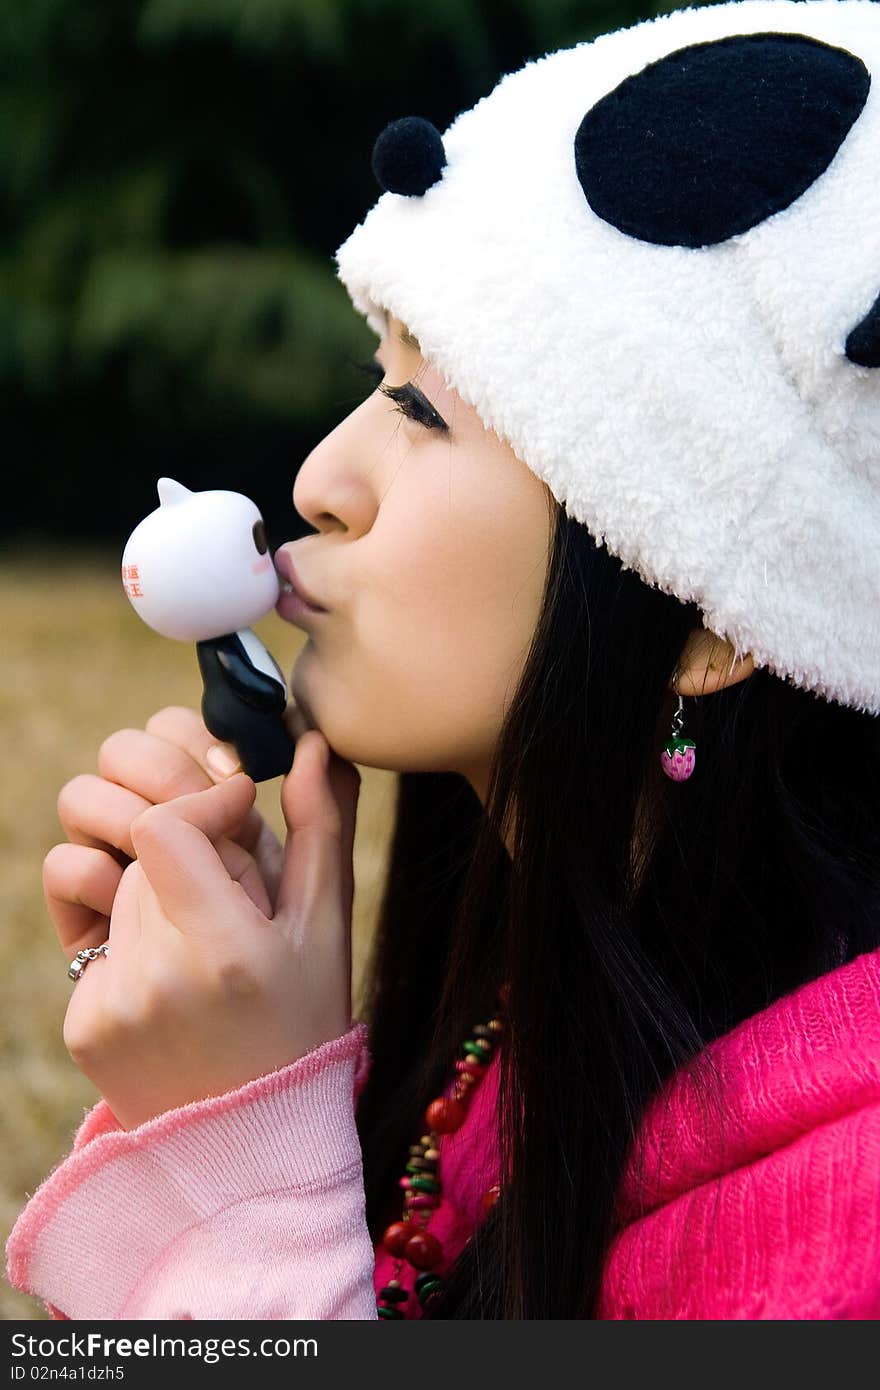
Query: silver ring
x,y
82,958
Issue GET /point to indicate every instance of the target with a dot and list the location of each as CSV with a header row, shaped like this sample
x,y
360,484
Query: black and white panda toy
x,y
198,569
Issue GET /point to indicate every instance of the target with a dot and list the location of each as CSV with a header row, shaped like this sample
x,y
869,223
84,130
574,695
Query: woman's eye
x,y
410,402
408,399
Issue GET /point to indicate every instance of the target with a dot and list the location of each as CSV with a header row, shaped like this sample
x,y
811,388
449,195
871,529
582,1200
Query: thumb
x,y
173,841
319,802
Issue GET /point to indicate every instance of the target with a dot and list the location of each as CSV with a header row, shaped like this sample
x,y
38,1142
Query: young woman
x,y
606,598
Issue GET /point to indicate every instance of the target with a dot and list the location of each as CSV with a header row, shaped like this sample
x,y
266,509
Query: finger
x,y
176,850
98,813
125,915
167,760
345,783
242,868
319,807
79,886
156,769
184,728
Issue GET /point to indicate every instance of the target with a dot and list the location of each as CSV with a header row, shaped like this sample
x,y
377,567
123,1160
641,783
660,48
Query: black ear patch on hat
x,y
408,156
863,343
714,138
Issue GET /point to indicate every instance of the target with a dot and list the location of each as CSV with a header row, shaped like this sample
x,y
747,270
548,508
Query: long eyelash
x,y
408,399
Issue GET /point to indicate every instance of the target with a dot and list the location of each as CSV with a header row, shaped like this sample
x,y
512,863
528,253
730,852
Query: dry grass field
x,y
77,664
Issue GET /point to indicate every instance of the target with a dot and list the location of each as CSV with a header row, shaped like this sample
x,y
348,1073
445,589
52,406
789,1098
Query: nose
x,y
331,490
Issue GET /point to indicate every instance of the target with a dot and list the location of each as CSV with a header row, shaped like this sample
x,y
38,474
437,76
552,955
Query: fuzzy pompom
x,y
408,156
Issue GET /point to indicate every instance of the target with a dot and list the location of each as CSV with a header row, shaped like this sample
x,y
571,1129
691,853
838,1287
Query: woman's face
x,y
430,557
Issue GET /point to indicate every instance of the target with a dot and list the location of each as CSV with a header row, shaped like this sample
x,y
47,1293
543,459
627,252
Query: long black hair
x,y
635,920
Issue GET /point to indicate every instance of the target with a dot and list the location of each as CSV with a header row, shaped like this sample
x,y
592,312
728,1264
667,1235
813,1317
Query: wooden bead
x,y
427,1280
393,1293
430,1288
446,1115
424,1250
420,1200
421,1165
470,1066
424,1184
432,1154
396,1236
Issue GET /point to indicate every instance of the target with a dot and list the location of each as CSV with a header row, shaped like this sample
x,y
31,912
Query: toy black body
x,y
244,705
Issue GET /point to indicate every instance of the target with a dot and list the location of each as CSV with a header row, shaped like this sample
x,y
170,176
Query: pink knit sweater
x,y
250,1205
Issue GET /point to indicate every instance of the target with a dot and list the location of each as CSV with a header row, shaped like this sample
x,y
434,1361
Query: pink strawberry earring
x,y
679,752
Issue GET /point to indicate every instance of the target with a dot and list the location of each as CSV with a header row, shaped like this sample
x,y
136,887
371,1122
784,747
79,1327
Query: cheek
x,y
448,610
445,574
445,594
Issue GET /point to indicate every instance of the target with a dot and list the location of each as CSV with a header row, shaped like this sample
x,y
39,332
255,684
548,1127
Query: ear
x,y
707,664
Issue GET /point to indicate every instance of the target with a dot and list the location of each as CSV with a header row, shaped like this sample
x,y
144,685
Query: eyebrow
x,y
409,339
403,334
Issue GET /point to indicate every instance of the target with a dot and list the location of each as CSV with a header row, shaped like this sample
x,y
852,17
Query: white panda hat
x,y
651,263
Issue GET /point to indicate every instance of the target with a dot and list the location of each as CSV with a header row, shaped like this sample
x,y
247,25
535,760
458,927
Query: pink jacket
x,y
250,1205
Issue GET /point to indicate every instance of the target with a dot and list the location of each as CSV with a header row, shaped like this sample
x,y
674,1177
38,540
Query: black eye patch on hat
x,y
712,139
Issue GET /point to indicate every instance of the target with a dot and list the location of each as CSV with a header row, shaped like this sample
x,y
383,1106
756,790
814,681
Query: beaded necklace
x,y
408,1240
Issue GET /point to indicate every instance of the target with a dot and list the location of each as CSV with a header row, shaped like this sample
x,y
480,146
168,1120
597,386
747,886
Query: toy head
x,y
199,565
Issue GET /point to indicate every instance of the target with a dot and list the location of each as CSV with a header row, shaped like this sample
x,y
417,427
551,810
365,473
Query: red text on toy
x,y
131,581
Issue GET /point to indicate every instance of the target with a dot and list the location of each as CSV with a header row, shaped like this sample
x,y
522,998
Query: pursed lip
x,y
285,568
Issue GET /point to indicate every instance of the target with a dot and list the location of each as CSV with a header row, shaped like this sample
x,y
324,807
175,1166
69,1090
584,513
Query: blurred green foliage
x,y
175,176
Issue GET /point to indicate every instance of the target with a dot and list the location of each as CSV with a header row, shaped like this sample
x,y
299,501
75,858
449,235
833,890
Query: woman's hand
x,y
139,768
207,984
